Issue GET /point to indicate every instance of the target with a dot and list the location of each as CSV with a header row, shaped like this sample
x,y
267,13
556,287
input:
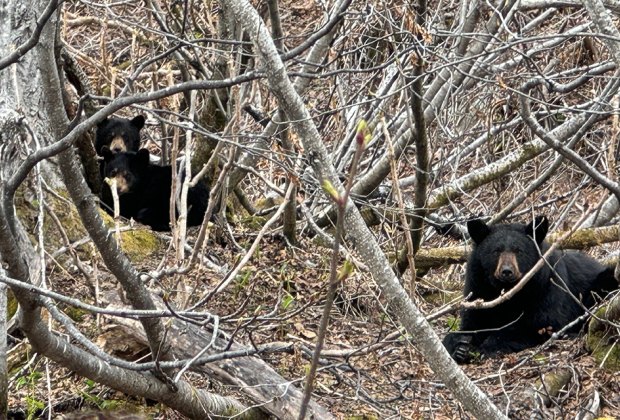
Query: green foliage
x,y
242,280
364,133
476,357
29,380
91,396
345,271
329,188
287,301
34,406
453,322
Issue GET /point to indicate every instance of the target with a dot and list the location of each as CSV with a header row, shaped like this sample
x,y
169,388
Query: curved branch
x,y
116,261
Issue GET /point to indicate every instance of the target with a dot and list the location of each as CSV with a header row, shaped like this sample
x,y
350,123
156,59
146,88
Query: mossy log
x,y
581,239
138,244
603,338
550,384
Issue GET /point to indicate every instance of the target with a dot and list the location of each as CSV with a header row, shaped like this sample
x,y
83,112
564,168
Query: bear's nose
x,y
507,273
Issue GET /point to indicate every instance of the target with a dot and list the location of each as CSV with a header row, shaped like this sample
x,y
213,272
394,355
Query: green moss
x,y
27,208
139,244
541,359
76,314
606,354
123,65
11,304
268,202
603,341
253,222
550,385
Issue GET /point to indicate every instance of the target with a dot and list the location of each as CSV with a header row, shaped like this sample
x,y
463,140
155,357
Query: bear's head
x,y
506,252
119,134
127,168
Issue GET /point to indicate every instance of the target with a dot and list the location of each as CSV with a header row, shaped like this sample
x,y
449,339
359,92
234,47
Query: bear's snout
x,y
118,145
507,270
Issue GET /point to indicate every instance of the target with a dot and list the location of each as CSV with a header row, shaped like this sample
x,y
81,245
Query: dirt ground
x,y
369,369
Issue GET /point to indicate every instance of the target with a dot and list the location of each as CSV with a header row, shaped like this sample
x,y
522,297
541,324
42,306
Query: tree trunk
x,y
364,242
34,128
4,374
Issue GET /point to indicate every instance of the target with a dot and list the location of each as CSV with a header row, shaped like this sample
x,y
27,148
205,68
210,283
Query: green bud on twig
x,y
331,190
363,135
345,271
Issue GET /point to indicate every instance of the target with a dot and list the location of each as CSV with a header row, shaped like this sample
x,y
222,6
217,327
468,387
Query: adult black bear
x,y
119,134
144,190
502,254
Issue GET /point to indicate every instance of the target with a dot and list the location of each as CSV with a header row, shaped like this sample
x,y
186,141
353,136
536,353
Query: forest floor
x,y
371,369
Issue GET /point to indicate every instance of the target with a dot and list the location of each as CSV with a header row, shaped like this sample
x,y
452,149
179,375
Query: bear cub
x,y
551,299
144,190
119,134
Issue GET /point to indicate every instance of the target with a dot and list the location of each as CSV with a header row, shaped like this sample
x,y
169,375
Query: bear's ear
x,y
478,230
538,228
103,123
138,121
143,157
107,154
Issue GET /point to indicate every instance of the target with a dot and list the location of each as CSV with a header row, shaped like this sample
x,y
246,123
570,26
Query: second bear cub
x,y
144,190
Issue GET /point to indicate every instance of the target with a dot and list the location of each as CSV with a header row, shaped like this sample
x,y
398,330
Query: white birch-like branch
x,y
414,322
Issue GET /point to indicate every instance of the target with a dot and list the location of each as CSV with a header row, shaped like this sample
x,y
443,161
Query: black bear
x,y
501,256
119,134
144,190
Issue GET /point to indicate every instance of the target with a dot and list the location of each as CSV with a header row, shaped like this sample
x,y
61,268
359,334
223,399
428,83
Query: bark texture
x,y
364,242
33,130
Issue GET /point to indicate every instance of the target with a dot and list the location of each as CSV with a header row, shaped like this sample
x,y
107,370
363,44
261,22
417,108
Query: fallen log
x,y
581,239
251,375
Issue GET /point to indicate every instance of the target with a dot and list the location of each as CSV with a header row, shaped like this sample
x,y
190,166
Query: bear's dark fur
x,y
119,134
501,256
144,190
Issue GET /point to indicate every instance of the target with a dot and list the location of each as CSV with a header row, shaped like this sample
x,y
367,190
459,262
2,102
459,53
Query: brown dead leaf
x,y
303,331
